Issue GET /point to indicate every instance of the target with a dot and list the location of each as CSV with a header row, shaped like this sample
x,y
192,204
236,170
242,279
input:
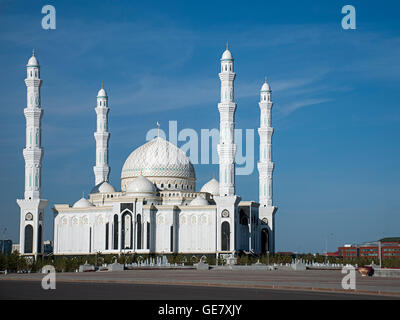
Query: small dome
x,y
103,187
211,187
227,55
199,201
141,185
82,203
33,62
265,86
102,93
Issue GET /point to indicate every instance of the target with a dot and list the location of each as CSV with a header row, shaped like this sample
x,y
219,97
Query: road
x,y
193,284
87,290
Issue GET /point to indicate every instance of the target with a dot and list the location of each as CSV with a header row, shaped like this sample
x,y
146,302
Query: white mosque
x,y
157,210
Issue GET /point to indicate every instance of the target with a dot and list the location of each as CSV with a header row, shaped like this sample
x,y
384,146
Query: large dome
x,y
162,163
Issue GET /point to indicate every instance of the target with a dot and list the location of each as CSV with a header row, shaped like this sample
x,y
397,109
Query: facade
x,y
157,209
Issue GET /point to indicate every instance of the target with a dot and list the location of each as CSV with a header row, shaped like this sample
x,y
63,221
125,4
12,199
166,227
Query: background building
x,y
388,248
5,246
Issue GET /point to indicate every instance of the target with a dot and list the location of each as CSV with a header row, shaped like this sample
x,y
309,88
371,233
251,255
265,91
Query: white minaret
x,y
101,170
266,167
227,202
32,206
227,108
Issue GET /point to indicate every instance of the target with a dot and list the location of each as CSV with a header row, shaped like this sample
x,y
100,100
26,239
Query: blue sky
x,y
336,115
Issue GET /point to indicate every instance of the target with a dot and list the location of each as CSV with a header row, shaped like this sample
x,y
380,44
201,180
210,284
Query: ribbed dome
x,y
199,201
158,160
211,187
103,187
141,185
82,203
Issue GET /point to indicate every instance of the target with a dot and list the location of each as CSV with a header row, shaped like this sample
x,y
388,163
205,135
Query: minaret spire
x,y
32,206
102,169
227,108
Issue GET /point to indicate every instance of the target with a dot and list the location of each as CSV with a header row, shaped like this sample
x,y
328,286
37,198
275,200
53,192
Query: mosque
x,y
157,209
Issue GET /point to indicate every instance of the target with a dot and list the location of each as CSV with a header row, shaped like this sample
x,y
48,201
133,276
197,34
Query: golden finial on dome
x,y
102,84
33,52
83,194
227,46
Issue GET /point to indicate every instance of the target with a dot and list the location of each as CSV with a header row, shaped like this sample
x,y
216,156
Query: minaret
x,y
227,108
265,169
32,206
101,170
265,165
227,202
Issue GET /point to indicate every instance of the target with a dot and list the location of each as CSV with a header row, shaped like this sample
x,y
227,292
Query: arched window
x,y
28,244
264,240
172,238
126,230
225,236
107,234
139,231
115,232
39,243
148,235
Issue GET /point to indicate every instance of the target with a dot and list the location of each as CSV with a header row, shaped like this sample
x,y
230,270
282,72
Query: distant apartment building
x,y
348,251
389,248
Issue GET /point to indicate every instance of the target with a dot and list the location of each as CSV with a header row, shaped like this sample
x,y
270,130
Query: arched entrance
x,y
127,231
225,236
28,244
264,241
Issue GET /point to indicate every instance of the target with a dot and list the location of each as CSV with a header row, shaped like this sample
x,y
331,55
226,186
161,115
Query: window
x,y
225,236
148,235
115,232
39,243
107,234
139,231
28,244
172,238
